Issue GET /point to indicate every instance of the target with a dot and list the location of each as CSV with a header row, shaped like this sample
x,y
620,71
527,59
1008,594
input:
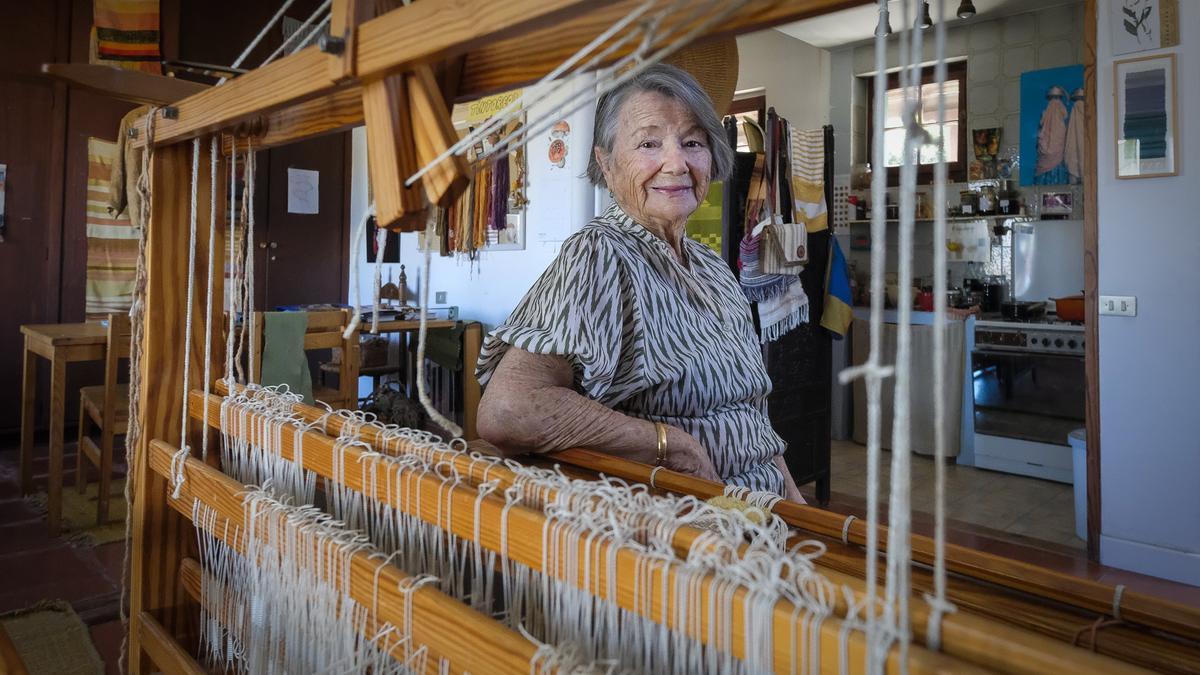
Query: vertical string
x,y
938,603
214,152
232,263
251,170
177,462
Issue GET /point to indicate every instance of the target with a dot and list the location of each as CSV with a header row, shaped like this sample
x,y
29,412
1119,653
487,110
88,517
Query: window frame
x,y
955,171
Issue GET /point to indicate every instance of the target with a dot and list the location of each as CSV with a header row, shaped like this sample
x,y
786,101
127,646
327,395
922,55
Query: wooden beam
x,y
161,538
518,60
434,133
126,85
164,651
502,65
424,32
475,643
1092,596
1091,286
392,157
523,529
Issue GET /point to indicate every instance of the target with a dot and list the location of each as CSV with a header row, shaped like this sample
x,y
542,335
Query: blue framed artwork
x,y
1147,118
1053,127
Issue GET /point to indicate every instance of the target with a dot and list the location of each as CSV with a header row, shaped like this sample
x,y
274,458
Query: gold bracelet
x,y
660,456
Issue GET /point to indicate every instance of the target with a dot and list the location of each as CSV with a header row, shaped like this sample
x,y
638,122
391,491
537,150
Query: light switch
x,y
1118,305
440,297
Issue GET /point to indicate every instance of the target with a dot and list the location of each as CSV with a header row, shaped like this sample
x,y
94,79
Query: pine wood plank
x,y
393,157
434,133
473,642
160,537
166,653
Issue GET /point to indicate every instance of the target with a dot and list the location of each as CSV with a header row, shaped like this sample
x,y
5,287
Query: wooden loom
x,y
398,72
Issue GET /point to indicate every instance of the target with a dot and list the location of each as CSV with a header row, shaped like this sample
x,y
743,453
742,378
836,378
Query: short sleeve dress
x,y
653,338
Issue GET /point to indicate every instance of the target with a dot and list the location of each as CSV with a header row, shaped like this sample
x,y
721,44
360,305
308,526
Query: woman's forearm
x,y
529,406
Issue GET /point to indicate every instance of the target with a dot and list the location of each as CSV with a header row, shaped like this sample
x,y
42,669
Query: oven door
x,y
1030,396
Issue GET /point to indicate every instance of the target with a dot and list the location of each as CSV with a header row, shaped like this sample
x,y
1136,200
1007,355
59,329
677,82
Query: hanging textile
x,y
808,178
838,312
774,249
112,241
125,34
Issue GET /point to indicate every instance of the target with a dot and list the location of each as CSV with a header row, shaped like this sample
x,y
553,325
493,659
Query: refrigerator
x,y
1047,259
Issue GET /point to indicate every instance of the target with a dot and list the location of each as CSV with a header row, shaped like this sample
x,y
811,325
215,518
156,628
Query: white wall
x,y
488,289
794,73
1150,364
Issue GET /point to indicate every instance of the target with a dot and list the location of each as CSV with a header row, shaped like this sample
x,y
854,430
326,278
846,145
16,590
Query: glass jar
x,y
969,202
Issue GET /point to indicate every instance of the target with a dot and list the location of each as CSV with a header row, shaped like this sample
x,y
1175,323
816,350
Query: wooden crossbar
x,y
1093,596
525,545
972,638
507,44
472,642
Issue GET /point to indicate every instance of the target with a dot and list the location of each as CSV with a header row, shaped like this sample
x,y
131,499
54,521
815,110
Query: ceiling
x,y
857,24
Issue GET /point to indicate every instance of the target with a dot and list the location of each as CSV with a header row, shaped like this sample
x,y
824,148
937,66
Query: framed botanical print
x,y
1147,117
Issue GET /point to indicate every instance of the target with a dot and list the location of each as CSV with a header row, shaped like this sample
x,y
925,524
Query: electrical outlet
x,y
1118,305
440,297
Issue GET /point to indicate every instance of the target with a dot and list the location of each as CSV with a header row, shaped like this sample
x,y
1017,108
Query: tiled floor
x,y
34,567
1016,505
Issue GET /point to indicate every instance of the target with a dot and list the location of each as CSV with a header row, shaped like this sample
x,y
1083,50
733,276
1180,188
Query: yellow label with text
x,y
481,109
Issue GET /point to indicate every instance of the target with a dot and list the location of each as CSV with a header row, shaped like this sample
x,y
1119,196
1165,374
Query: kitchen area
x,y
1014,241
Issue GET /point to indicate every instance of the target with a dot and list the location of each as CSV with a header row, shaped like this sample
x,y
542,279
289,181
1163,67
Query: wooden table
x,y
60,344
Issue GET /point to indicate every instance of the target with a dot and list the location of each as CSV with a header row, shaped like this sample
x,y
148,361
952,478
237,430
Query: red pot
x,y
1069,308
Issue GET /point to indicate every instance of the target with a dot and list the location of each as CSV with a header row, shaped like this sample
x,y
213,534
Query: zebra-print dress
x,y
655,339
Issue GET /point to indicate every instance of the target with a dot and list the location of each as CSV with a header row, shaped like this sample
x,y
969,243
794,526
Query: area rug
x,y
79,514
51,638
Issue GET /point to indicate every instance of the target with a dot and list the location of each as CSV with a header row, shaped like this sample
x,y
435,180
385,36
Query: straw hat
x,y
715,65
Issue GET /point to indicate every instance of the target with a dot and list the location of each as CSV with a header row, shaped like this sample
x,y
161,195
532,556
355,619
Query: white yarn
x,y
436,416
249,319
211,281
1118,591
381,234
324,6
356,247
181,454
939,605
234,287
261,34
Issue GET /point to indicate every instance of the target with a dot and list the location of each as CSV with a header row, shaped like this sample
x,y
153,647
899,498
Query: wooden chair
x,y
324,332
107,407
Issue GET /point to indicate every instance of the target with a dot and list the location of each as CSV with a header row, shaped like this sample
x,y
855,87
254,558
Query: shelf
x,y
951,219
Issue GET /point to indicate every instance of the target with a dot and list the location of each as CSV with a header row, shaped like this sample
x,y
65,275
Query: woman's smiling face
x,y
660,163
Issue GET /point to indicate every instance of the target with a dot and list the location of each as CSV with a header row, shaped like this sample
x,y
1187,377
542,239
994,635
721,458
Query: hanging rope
x,y
177,461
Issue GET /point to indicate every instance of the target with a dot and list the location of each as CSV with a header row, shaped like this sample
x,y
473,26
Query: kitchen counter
x,y
919,318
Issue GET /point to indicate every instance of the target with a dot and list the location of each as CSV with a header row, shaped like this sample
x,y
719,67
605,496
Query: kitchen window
x,y
953,128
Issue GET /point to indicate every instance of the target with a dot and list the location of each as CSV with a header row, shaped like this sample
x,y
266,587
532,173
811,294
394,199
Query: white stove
x,y
1049,336
1029,390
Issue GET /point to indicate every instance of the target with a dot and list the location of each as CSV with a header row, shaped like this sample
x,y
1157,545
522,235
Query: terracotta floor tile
x,y
107,638
111,558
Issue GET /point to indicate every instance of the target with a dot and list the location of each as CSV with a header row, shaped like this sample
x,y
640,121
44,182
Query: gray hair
x,y
669,81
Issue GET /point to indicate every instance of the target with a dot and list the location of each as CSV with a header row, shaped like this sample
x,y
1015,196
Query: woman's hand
x,y
686,455
791,491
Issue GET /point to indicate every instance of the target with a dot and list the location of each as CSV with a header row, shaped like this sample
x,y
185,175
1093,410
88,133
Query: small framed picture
x,y
1147,117
1057,203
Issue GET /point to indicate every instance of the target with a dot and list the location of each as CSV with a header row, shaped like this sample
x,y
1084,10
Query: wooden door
x,y
302,258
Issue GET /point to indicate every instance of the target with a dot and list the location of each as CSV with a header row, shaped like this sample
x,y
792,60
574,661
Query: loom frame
x,y
478,47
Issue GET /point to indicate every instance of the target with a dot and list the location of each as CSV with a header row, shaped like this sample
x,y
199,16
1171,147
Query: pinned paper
x,y
968,241
302,187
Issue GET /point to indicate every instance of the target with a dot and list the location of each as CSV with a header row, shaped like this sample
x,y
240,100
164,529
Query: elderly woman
x,y
637,341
